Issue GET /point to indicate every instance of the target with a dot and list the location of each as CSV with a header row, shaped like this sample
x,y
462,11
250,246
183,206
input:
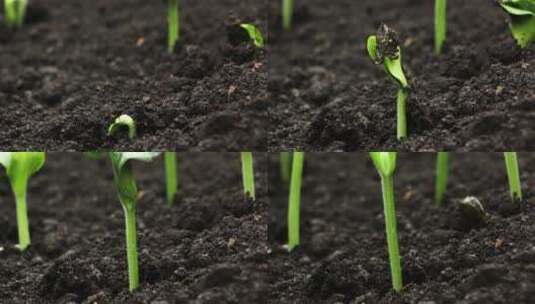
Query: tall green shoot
x,y
127,191
522,24
20,166
441,181
248,174
441,24
294,200
171,177
513,175
287,14
15,12
173,16
384,48
385,162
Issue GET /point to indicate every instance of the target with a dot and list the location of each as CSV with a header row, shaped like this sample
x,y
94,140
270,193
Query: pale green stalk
x,y
441,177
513,175
287,13
248,174
440,24
174,25
171,176
294,201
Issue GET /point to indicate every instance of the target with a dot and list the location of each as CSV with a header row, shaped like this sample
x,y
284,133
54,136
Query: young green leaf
x,y
254,34
513,175
442,177
127,192
294,200
441,24
384,49
522,25
385,162
173,16
248,174
20,166
15,12
171,176
122,122
287,14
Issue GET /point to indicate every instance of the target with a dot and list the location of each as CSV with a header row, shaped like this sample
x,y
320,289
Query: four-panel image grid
x,y
267,151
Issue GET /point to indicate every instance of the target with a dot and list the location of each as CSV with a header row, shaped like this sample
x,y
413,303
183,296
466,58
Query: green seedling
x,y
248,174
254,34
294,200
522,24
384,49
20,166
385,162
441,182
285,162
287,14
441,24
171,177
173,16
513,175
127,191
15,12
123,122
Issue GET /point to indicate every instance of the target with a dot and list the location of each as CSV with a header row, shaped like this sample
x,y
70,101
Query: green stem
x,y
248,173
387,184
174,25
131,246
402,113
171,178
511,164
440,24
287,13
442,177
285,167
22,219
294,201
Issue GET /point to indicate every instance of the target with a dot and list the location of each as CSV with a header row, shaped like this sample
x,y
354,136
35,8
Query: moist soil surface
x,y
327,95
210,247
446,257
77,65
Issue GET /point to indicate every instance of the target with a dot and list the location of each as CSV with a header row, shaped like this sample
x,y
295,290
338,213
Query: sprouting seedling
x,y
441,24
513,175
287,13
173,16
171,176
384,49
441,182
254,34
522,25
294,200
19,167
385,162
122,122
15,12
127,191
248,174
286,167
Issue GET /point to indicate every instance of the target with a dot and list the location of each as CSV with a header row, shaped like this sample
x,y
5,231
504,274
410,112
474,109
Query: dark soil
x,y
78,64
327,95
446,259
210,247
